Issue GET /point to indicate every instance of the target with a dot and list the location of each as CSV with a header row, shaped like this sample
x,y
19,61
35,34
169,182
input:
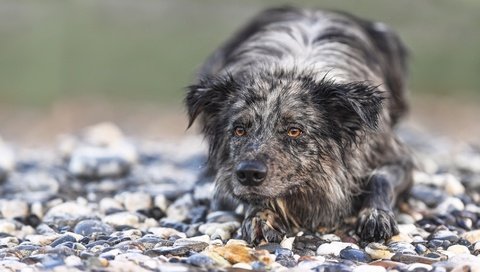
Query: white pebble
x,y
137,201
121,218
13,208
333,248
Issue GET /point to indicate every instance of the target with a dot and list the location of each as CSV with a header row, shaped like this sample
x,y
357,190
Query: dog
x,y
298,108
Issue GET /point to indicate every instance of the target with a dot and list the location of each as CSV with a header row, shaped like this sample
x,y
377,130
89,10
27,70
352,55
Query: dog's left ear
x,y
394,59
351,108
208,97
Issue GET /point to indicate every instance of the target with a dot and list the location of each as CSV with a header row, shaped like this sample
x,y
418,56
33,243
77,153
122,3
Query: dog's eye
x,y
240,131
294,132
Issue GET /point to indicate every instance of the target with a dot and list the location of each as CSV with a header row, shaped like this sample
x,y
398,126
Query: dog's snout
x,y
251,173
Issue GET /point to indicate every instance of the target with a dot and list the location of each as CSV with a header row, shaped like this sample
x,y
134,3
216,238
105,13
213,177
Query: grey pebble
x,y
90,227
353,254
200,260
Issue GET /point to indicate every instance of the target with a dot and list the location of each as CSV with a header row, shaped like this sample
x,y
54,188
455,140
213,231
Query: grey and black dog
x,y
298,109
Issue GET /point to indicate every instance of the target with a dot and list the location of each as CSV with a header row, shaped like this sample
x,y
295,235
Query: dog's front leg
x,y
376,220
263,224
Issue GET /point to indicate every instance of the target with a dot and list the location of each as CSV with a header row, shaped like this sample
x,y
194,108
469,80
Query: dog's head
x,y
272,133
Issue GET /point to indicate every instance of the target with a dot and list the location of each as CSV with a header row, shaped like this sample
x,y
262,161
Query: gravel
x,y
102,201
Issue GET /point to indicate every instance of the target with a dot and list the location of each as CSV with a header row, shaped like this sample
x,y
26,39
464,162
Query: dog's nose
x,y
251,173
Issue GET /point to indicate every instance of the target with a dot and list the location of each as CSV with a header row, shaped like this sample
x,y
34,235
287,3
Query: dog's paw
x,y
261,226
375,225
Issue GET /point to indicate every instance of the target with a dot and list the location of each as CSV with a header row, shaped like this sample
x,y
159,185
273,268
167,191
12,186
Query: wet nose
x,y
251,173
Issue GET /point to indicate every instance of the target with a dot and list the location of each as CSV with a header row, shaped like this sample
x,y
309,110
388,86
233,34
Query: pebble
x,y
334,248
13,208
109,204
472,236
97,162
68,210
89,227
7,226
152,216
285,257
194,245
353,254
458,249
7,159
378,251
122,219
369,268
137,201
236,253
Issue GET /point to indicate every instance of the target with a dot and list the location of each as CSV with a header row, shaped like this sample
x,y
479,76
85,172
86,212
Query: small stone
x,y
419,267
401,237
222,217
137,201
309,265
42,239
68,210
166,233
458,249
287,242
13,208
7,160
178,210
236,253
7,226
409,258
353,254
449,205
90,227
337,267
431,196
388,264
369,268
121,219
420,249
97,162
472,236
191,244
37,209
331,237
200,260
285,257
402,247
444,234
161,202
245,266
73,260
334,248
378,251
63,239
237,242
270,247
452,185
107,204
219,230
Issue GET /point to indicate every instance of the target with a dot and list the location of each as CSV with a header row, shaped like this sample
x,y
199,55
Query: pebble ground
x,y
100,201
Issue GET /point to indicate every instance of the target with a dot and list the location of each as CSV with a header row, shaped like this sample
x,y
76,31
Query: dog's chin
x,y
252,196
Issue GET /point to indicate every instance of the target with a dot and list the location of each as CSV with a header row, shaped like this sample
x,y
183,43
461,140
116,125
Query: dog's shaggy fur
x,y
337,80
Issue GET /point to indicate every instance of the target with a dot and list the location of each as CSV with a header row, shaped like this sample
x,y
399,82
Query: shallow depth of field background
x,y
68,64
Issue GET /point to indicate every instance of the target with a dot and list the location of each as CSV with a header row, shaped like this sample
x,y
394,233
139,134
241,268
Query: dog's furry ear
x,y
393,59
208,97
351,108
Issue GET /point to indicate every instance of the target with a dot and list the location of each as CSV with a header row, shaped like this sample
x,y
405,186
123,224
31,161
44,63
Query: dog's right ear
x,y
208,97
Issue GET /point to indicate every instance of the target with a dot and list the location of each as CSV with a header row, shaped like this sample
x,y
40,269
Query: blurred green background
x,y
149,49
65,64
